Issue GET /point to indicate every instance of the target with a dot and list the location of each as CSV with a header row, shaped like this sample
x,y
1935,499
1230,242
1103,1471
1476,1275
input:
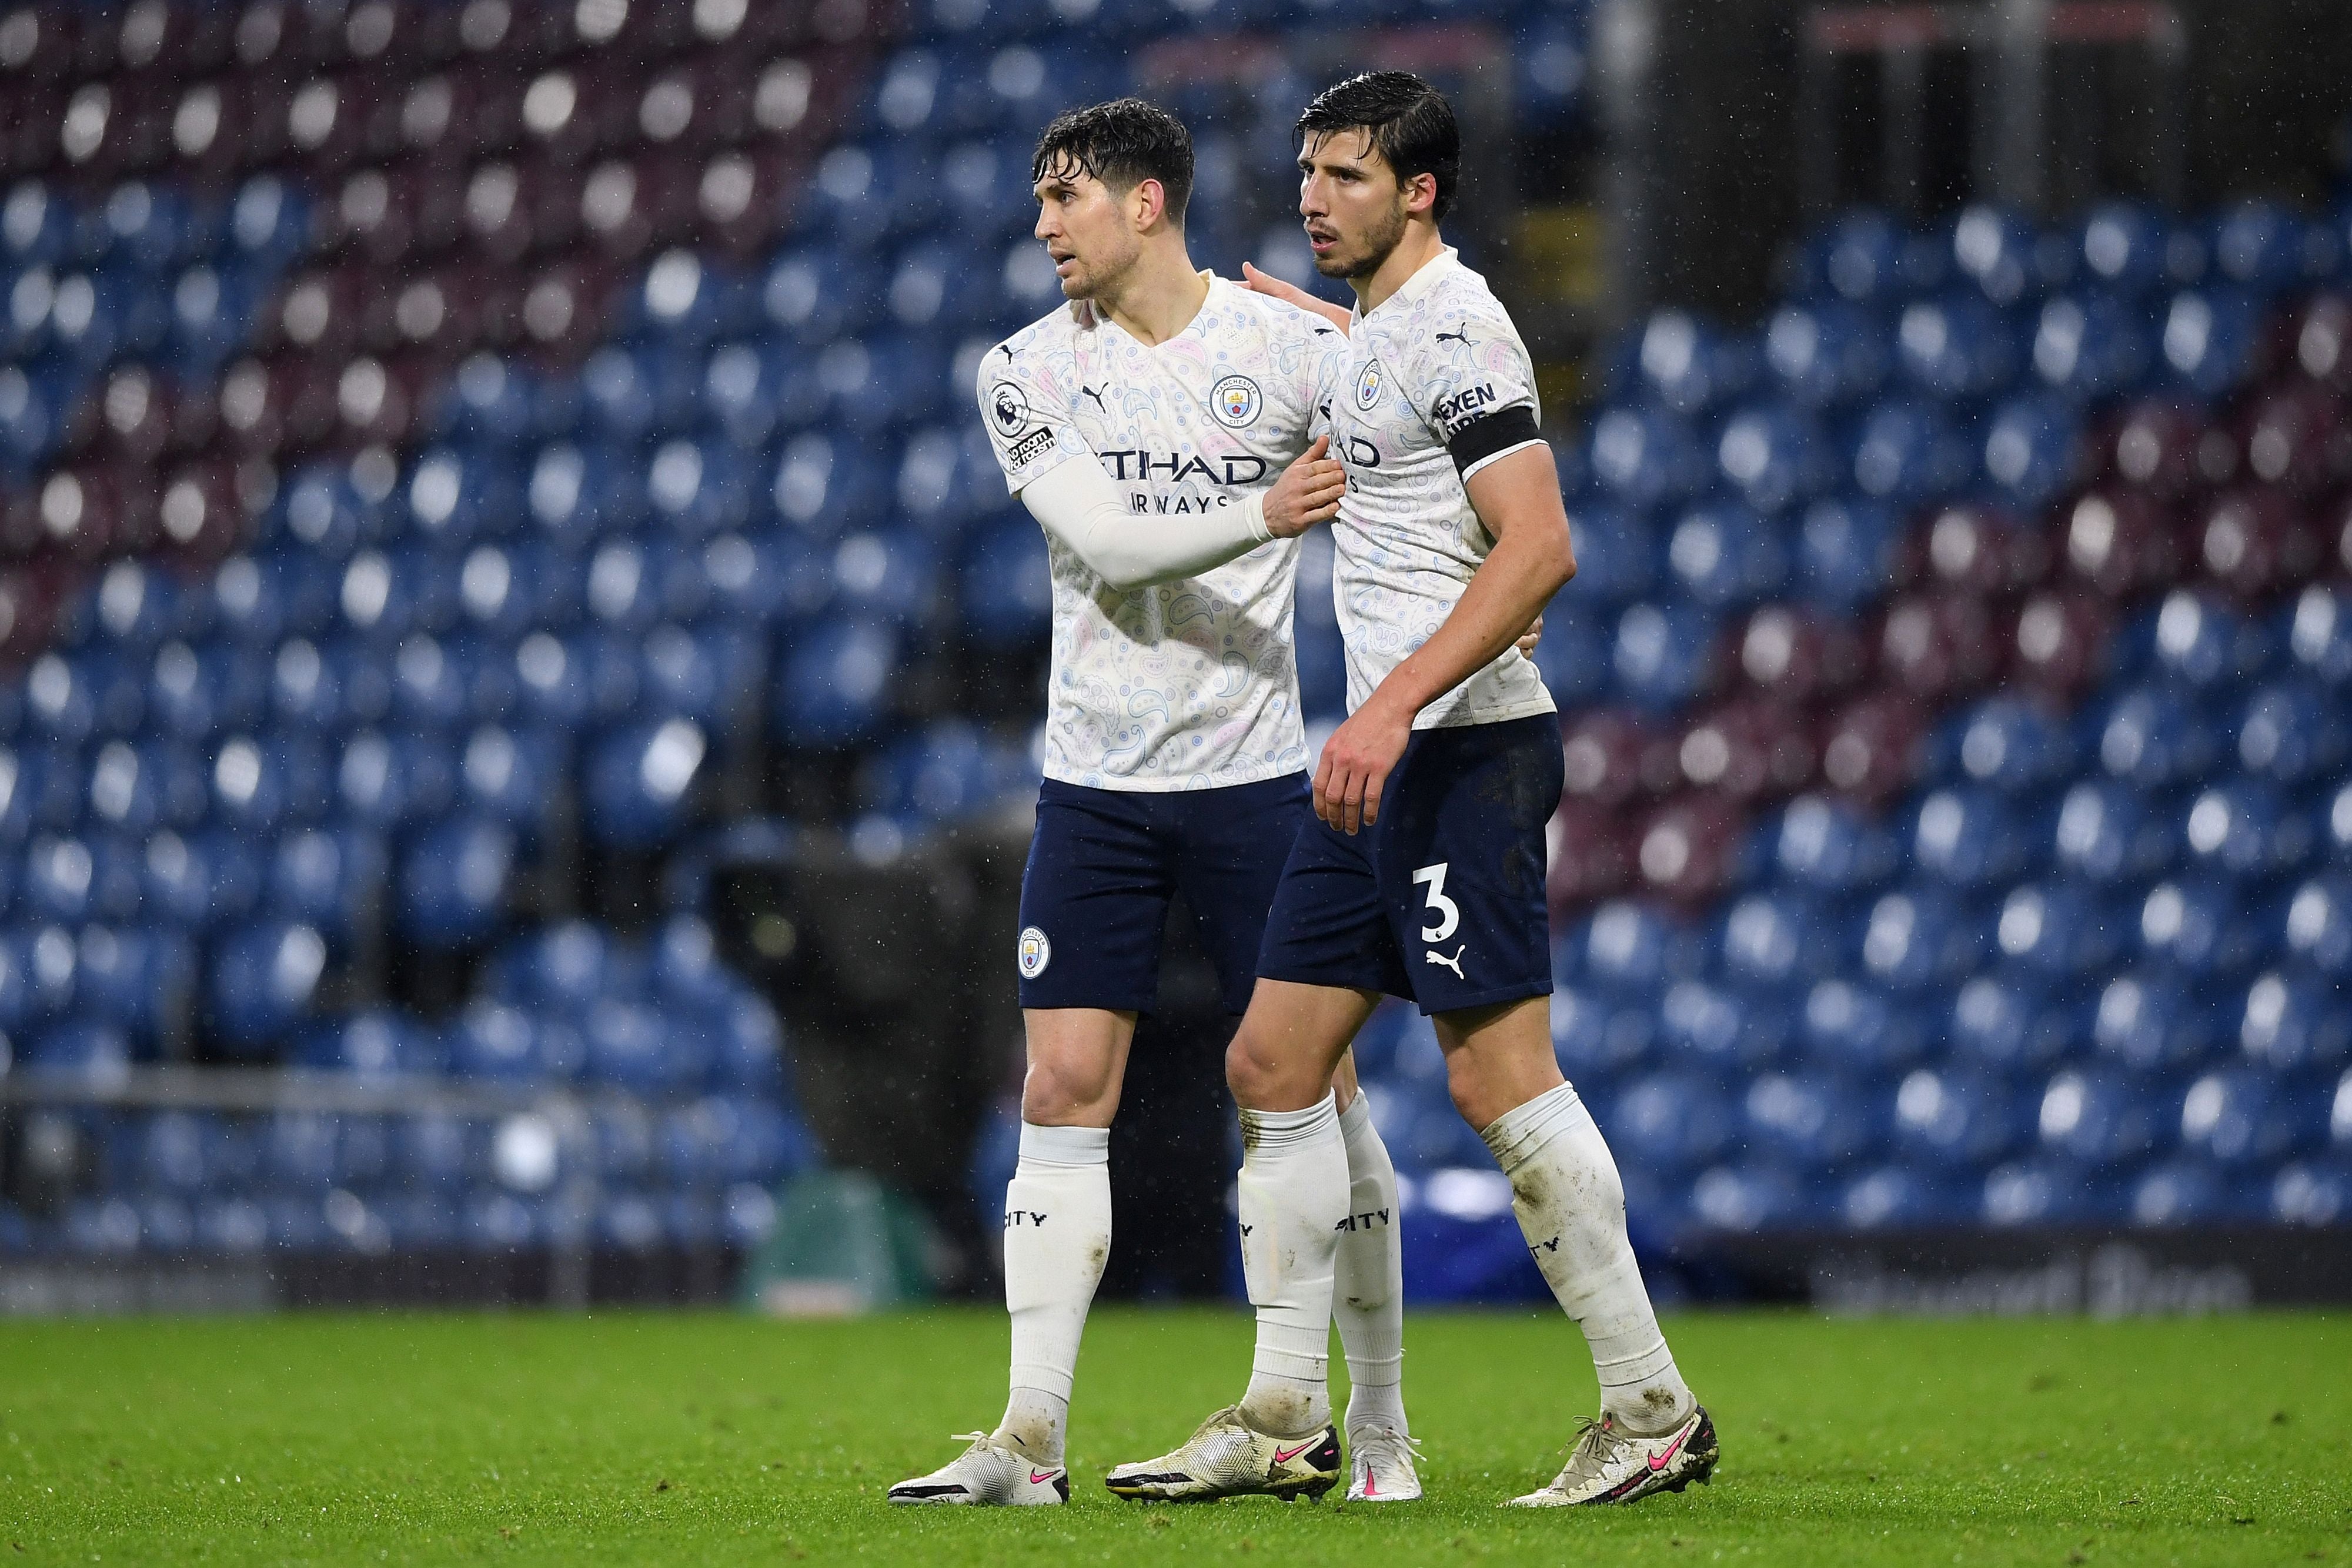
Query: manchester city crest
x,y
1368,386
1235,402
1036,952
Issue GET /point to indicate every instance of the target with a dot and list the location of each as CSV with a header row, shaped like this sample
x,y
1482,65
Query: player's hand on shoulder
x,y
1531,637
1356,764
1273,287
1306,492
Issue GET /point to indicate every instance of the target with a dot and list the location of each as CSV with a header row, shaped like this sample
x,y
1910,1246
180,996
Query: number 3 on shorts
x,y
1448,916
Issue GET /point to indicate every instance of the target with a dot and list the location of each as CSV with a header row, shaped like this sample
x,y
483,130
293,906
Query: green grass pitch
x,y
649,1439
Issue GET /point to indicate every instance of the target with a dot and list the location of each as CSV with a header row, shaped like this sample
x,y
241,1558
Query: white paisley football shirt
x,y
1437,386
1189,685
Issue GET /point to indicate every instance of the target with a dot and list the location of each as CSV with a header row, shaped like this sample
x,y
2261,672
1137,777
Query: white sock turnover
x,y
1571,1208
1367,1297
1057,1239
1293,1197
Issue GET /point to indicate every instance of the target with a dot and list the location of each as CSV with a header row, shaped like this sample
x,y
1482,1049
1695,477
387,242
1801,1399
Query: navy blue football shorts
x,y
1442,900
1104,863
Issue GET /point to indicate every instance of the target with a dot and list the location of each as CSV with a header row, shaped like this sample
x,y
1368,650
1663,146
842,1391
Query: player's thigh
x,y
1236,842
1094,902
1291,1041
1078,1060
1498,1057
1460,858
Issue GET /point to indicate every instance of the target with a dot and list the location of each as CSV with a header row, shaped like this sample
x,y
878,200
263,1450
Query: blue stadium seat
x,y
493,1040
1750,1197
834,685
2183,1192
2101,1119
2012,744
1958,346
1663,654
2154,739
2009,1021
2210,339
511,776
825,486
1895,1195
2319,924
2267,247
2093,346
1597,1035
1826,354
2248,830
2060,930
435,1152
1776,943
490,405
2000,253
1776,456
75,880
1968,837
2292,732
328,878
2314,1192
1723,555
1630,948
1958,1120
1647,458
77,1048
2292,1021
632,395
1862,1031
1812,1120
2108,835
1618,555
2032,450
684,300
2123,247
639,779
387,782
381,1043
1868,258
1908,453
2320,634
2039,1191
2204,927
1717,1029
138,789
1678,1123
263,978
1688,365
2151,1023
138,980
2242,1119
702,487
453,883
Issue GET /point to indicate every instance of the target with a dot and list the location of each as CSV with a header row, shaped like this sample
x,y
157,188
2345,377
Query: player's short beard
x,y
1379,243
1096,279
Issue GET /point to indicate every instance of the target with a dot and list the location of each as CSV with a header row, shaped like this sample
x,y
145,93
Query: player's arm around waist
x,y
1516,497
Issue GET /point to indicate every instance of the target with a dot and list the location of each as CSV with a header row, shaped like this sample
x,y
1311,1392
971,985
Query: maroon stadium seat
x,y
1936,646
2122,542
2160,446
2323,342
2064,641
1796,658
2296,437
1592,852
1977,549
1689,848
1608,759
2256,542
1751,748
1870,749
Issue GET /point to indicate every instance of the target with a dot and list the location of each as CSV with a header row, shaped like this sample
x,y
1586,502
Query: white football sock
x,y
1571,1209
1293,1197
1057,1239
1367,1296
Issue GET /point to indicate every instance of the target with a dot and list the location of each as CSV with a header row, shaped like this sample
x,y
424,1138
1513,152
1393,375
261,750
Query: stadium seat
x,y
2007,1022
2204,927
2152,1024
453,883
263,978
2107,835
1680,1124
2290,1022
1864,1032
2099,1119
2240,1120
1957,1120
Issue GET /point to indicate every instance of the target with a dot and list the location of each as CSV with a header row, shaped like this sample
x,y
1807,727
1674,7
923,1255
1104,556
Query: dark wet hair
x,y
1122,143
1410,123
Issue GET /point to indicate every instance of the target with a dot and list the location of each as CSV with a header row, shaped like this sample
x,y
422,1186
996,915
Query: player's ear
x,y
1421,193
1147,203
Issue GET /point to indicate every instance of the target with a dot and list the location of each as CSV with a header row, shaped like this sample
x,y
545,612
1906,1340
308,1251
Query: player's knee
x,y
1473,1093
1064,1088
1252,1072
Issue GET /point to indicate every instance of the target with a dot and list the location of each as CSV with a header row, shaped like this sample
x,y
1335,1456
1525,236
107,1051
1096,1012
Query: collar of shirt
x,y
1424,280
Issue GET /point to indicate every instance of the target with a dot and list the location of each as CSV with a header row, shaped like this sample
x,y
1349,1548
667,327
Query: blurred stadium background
x,y
520,667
